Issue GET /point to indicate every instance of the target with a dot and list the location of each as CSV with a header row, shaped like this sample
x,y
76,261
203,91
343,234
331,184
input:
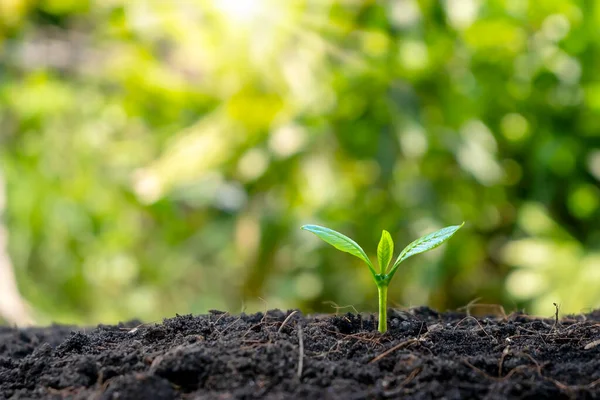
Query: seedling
x,y
385,251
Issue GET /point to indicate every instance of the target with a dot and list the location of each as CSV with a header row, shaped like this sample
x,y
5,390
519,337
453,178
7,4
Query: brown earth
x,y
285,355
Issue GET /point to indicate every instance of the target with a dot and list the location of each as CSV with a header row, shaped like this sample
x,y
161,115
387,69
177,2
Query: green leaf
x,y
340,242
385,251
425,243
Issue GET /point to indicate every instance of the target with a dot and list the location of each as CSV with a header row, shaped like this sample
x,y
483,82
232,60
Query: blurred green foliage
x,y
160,156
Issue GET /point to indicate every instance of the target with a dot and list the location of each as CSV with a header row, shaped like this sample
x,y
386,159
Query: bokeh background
x,y
159,156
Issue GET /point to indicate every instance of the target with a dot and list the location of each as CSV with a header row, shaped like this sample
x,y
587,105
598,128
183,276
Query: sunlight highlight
x,y
241,10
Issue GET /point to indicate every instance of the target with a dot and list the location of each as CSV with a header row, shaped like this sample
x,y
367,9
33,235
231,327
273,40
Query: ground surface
x,y
288,356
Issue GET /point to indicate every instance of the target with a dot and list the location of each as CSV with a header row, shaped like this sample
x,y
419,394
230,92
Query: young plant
x,y
385,251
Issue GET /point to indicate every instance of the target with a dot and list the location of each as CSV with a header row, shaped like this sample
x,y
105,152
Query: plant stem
x,y
382,290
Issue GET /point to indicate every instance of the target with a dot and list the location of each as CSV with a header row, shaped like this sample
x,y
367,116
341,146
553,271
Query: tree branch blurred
x,y
12,306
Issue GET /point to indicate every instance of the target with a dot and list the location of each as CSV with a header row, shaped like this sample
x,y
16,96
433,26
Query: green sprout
x,y
385,251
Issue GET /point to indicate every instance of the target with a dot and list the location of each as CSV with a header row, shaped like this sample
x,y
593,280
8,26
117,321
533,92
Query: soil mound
x,y
285,355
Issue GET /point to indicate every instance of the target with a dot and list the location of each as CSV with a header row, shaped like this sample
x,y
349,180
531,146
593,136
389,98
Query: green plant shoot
x,y
385,251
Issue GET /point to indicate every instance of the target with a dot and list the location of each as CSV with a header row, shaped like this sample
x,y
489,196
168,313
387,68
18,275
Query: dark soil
x,y
284,355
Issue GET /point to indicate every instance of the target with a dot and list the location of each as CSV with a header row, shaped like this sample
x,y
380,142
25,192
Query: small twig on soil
x,y
135,328
396,347
533,334
504,354
338,308
286,320
467,308
251,328
500,378
482,372
401,388
592,384
266,309
220,333
331,350
155,363
480,326
538,368
300,351
423,325
412,376
220,316
591,345
558,384
533,360
473,304
557,307
356,336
